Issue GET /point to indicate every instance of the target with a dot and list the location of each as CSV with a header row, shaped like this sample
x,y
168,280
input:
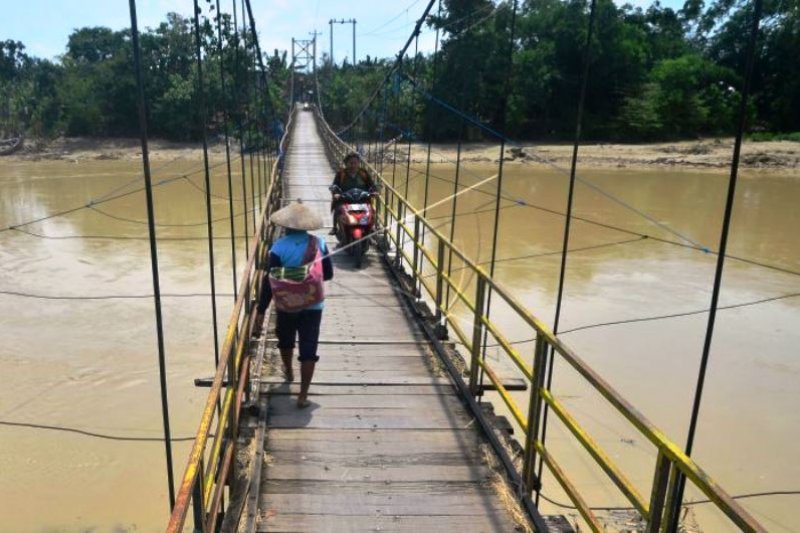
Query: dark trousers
x,y
303,324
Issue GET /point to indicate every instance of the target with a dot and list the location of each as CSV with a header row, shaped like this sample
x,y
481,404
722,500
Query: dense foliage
x,y
91,90
655,73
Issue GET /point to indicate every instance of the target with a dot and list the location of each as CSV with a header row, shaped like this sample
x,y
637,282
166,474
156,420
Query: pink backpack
x,y
295,288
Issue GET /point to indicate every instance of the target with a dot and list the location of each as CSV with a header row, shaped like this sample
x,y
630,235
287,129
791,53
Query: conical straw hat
x,y
297,216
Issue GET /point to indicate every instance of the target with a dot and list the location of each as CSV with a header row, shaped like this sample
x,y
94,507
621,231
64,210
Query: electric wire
x,y
403,12
102,200
87,433
23,294
164,224
689,503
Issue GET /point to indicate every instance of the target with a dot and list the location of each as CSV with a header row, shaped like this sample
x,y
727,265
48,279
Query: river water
x,y
91,365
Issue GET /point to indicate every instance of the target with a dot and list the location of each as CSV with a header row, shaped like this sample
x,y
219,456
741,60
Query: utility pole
x,y
331,22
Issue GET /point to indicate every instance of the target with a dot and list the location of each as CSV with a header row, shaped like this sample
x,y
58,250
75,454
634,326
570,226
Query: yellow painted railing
x,y
402,221
211,467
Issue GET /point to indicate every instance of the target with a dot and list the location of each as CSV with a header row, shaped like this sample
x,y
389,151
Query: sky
x,y
381,29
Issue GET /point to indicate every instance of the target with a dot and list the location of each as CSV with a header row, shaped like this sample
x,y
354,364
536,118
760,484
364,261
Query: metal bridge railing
x,y
402,221
212,458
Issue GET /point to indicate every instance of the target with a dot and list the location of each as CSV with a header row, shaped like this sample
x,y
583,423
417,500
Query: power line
x,y
165,225
689,503
666,316
112,237
102,200
87,433
107,296
396,30
545,254
403,12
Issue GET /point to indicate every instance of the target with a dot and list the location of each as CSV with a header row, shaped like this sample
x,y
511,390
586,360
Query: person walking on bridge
x,y
298,265
352,176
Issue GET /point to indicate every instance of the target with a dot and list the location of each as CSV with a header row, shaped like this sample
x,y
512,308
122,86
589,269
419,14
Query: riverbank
x,y
123,149
702,154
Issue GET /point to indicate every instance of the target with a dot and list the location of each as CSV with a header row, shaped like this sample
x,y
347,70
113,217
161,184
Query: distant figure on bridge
x,y
352,176
298,265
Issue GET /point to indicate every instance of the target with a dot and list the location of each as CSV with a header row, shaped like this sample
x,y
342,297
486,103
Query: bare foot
x,y
302,403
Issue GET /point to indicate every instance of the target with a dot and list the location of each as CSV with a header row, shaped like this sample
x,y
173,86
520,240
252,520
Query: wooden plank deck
x,y
386,444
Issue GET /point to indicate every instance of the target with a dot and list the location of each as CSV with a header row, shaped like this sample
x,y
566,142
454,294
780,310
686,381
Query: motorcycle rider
x,y
352,176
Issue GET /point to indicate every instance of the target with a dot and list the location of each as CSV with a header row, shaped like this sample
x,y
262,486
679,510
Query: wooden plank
x,y
419,504
276,387
356,342
344,362
401,488
417,349
323,373
314,417
387,475
369,402
280,521
379,367
382,442
367,380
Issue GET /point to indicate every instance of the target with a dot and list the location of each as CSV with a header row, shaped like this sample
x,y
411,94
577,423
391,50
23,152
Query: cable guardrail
x,y
401,220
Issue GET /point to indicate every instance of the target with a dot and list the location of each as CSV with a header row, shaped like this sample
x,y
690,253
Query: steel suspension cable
x,y
453,211
226,118
567,225
249,106
411,122
428,128
680,485
203,122
268,108
381,141
260,131
153,250
499,191
237,67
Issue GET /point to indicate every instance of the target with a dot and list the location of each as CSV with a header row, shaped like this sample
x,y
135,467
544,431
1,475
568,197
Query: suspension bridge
x,y
411,425
396,438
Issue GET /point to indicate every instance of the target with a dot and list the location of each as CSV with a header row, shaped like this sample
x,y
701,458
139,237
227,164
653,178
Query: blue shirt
x,y
289,251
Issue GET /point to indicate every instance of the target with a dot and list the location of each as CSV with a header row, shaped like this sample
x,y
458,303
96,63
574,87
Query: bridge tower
x,y
304,57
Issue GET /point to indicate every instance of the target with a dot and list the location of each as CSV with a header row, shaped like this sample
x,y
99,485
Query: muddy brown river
x,y
80,407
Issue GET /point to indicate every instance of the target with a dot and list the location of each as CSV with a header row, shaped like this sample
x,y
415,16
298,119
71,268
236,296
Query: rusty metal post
x,y
439,282
398,258
385,203
534,414
198,499
477,330
659,493
416,267
671,511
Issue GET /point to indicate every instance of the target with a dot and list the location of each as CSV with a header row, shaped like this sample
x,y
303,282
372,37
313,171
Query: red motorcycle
x,y
355,221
